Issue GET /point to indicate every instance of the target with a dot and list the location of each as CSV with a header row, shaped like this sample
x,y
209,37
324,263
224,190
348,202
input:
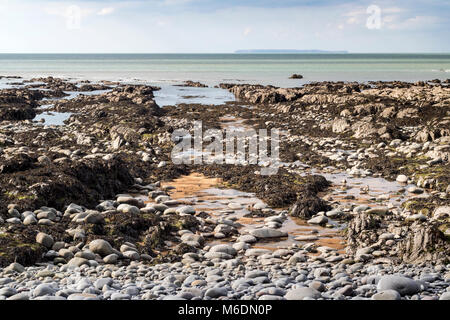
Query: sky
x,y
221,26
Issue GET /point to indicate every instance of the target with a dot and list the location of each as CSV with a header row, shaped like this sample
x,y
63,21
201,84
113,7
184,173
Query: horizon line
x,y
230,53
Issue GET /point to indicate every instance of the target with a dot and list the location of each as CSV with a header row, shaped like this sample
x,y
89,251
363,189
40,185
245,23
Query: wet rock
x,y
223,248
257,252
241,246
247,238
259,206
267,233
361,208
224,229
333,214
306,238
378,211
194,84
403,285
321,220
186,210
218,255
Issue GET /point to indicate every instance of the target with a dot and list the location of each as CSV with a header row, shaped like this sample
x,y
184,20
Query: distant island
x,y
286,51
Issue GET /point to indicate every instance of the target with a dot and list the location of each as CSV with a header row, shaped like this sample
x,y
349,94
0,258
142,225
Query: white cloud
x,y
247,31
392,10
352,20
163,22
419,22
362,11
106,11
65,11
175,2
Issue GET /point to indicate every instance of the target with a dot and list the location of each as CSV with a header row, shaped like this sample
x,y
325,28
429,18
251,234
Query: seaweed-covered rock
x,y
308,205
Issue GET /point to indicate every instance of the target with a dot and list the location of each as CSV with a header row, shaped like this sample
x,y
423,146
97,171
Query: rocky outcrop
x,y
193,84
433,132
308,202
410,243
340,125
262,94
360,228
424,242
125,134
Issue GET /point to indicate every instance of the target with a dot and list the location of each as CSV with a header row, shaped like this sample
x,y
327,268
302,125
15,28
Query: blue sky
x,y
223,26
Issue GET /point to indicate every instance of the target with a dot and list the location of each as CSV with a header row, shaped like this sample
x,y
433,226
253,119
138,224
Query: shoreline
x,y
65,187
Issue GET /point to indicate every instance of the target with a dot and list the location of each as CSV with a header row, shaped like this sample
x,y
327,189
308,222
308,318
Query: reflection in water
x,y
53,118
170,95
209,195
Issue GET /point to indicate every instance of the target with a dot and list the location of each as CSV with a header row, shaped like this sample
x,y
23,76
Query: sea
x,y
212,69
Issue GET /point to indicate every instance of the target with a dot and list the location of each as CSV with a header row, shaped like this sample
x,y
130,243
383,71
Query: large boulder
x,y
45,239
403,285
101,247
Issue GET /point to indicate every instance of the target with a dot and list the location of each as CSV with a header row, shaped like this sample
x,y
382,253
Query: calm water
x,y
215,68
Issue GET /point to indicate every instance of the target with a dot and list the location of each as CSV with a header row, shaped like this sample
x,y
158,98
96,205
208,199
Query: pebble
x,y
267,233
302,293
216,292
386,295
402,178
